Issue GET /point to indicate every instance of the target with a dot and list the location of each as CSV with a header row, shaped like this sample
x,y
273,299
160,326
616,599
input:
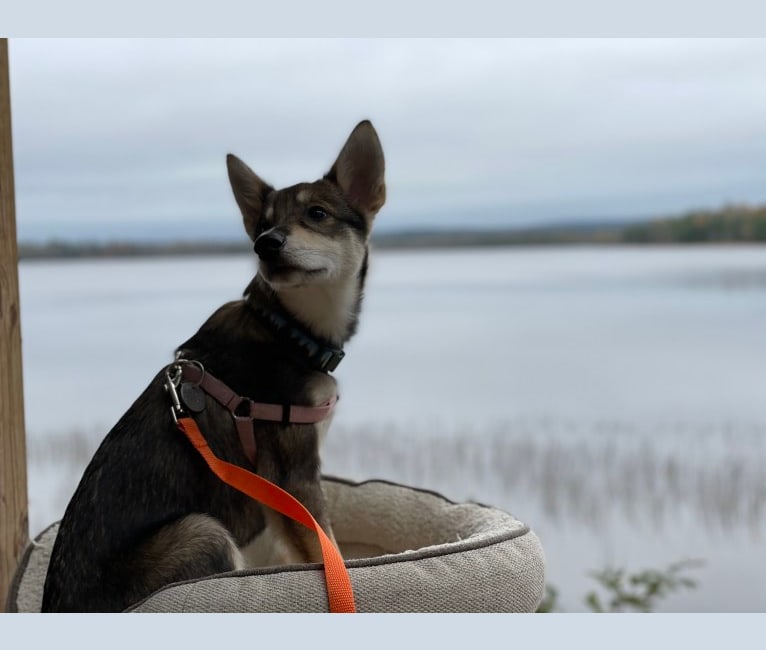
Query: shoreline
x,y
123,250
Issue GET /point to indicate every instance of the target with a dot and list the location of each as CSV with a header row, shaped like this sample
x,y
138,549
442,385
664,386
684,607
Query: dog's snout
x,y
268,245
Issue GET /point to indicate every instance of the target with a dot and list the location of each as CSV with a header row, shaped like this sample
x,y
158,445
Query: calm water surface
x,y
612,398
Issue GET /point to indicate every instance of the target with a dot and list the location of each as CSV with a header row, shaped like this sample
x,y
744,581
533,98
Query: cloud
x,y
130,134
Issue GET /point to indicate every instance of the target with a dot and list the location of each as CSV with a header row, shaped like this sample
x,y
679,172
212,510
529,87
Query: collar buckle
x,y
329,360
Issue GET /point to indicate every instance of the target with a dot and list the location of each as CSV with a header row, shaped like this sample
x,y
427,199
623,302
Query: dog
x,y
148,512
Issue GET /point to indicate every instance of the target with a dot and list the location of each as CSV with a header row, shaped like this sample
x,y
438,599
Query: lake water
x,y
612,398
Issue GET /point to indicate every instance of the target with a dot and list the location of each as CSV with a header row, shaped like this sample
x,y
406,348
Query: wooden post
x,y
14,527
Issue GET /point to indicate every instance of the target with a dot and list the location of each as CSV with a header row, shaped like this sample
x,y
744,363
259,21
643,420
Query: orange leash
x,y
340,595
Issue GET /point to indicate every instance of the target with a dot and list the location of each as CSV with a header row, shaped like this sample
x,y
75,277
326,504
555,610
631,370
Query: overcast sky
x,y
127,138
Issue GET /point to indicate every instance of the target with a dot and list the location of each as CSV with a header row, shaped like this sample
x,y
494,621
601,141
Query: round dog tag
x,y
193,397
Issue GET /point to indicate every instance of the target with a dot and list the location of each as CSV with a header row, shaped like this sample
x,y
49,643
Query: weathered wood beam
x,y
14,528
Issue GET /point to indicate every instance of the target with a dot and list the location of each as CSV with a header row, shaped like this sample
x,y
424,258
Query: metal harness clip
x,y
172,381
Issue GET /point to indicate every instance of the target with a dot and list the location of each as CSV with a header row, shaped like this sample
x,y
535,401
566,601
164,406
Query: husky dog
x,y
148,511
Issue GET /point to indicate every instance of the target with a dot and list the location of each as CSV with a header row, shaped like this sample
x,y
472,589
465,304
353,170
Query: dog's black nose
x,y
268,245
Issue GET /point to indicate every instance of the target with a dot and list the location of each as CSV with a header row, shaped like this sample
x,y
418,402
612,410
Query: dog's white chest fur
x,y
322,388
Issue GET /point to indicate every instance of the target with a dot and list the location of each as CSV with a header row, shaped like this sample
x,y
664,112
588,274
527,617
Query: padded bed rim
x,y
380,560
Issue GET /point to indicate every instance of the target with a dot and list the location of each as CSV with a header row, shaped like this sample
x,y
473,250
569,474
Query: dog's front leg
x,y
289,457
284,541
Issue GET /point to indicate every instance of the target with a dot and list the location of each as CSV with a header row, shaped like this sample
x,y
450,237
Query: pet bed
x,y
407,550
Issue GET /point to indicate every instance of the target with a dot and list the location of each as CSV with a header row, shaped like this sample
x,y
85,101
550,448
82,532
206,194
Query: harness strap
x,y
340,595
257,410
243,417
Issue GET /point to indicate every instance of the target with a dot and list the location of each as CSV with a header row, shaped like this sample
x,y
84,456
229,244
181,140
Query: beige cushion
x,y
407,550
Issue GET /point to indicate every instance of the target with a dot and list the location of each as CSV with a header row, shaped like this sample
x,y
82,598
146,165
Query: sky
x,y
127,138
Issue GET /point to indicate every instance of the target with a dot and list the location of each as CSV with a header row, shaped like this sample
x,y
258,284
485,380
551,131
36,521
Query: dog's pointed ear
x,y
359,171
250,193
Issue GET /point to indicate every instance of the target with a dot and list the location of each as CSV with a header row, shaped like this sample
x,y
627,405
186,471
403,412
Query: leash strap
x,y
340,595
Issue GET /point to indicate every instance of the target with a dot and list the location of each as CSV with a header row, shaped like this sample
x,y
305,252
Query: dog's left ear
x,y
359,171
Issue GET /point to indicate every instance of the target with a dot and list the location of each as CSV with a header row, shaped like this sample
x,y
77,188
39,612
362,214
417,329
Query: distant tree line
x,y
66,249
732,223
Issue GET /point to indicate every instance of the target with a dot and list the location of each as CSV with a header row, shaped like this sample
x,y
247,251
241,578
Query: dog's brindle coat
x,y
148,511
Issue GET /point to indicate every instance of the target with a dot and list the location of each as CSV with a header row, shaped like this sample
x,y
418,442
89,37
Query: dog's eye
x,y
316,213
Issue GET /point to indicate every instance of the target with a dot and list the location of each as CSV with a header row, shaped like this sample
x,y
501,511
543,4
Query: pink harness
x,y
242,409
